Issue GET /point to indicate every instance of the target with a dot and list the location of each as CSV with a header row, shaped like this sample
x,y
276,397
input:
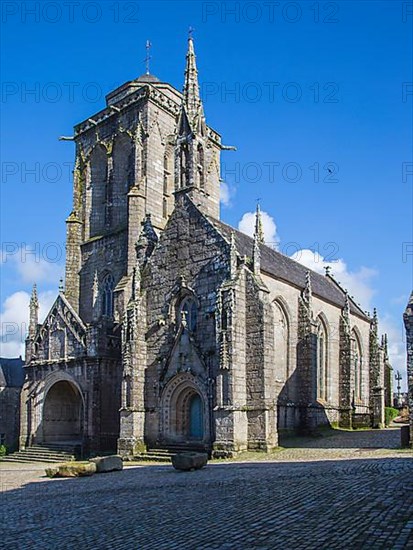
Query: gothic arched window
x,y
108,285
281,342
189,310
357,364
322,361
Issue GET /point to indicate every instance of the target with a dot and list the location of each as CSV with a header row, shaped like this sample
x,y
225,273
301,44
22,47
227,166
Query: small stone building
x,y
408,323
174,329
11,382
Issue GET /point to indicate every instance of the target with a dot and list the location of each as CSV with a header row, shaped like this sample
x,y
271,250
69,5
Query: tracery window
x,y
322,361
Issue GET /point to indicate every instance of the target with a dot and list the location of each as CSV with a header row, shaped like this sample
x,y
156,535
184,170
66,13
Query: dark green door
x,y
196,418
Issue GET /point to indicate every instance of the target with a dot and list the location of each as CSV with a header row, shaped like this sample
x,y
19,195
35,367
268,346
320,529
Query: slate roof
x,y
11,372
284,268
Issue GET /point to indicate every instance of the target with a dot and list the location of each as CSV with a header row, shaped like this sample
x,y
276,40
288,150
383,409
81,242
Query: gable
x,y
62,335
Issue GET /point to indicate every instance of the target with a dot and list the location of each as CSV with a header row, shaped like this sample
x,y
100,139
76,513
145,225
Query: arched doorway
x,y
63,413
188,411
184,412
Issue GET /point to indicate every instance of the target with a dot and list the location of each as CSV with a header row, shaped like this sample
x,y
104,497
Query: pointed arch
x,y
282,327
322,357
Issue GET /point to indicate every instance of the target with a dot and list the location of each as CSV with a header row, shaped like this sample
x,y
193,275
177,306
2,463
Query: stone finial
x,y
308,292
259,232
328,270
385,347
233,256
136,283
256,255
374,323
346,308
33,312
61,285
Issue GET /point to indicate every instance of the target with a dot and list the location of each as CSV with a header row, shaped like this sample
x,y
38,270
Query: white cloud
x,y
358,283
35,263
226,193
14,319
247,225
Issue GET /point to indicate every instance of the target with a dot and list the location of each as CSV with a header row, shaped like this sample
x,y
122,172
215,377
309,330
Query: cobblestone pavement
x,y
301,498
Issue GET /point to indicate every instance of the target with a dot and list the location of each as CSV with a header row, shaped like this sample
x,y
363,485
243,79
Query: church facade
x,y
172,328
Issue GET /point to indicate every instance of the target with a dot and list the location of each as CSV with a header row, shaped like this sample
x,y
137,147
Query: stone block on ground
x,y
188,461
110,463
72,469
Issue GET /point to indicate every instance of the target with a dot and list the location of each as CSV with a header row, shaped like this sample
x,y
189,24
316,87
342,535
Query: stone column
x,y
378,407
132,413
345,385
73,260
230,416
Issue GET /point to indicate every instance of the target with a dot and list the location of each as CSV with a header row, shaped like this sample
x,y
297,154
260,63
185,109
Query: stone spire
x,y
258,225
34,312
191,97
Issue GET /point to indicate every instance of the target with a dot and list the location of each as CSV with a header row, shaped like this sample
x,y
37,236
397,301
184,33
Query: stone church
x,y
173,329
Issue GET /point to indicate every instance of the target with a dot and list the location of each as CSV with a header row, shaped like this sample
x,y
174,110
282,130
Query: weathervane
x,y
148,56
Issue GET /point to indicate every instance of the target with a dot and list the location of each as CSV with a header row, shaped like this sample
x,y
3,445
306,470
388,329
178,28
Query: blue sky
x,y
313,84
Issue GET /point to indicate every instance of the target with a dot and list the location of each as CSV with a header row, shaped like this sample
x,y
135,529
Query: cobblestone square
x,y
352,490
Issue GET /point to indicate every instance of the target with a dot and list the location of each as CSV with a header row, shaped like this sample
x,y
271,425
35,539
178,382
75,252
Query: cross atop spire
x,y
259,232
192,98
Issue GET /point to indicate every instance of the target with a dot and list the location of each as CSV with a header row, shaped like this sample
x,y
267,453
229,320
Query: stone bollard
x,y
189,461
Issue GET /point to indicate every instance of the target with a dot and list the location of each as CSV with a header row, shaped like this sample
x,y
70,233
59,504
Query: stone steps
x,y
43,453
166,454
